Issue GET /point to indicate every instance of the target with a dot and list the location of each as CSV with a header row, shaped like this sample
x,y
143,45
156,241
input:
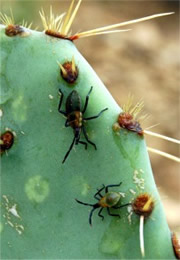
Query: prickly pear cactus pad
x,y
40,217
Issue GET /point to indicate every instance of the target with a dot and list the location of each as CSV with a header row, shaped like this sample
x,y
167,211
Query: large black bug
x,y
75,118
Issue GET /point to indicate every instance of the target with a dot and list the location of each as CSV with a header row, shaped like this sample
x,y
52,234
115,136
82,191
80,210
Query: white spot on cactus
x,y
11,213
132,191
9,244
110,244
37,189
25,34
10,223
6,199
50,96
19,229
1,113
85,189
122,194
138,180
1,227
22,132
129,209
19,109
116,128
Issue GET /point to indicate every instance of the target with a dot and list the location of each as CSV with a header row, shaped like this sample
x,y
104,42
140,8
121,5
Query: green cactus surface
x,y
40,216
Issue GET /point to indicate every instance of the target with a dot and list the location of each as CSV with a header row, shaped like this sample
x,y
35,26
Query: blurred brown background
x,y
144,62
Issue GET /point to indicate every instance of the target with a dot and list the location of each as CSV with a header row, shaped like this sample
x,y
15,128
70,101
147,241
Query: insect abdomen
x,y
73,102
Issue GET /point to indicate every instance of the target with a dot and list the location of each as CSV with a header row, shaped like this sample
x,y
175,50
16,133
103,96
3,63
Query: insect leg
x,y
114,215
122,206
99,213
85,134
70,148
99,193
86,102
90,216
112,185
95,206
81,142
86,204
60,103
67,123
94,117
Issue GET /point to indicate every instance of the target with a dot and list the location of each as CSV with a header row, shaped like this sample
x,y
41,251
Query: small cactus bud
x,y
13,30
176,245
69,71
6,141
126,121
143,205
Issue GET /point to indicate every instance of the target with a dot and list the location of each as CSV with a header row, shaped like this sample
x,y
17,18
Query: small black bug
x,y
75,117
109,200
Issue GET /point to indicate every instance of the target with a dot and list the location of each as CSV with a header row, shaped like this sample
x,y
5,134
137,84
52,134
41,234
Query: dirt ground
x,y
144,62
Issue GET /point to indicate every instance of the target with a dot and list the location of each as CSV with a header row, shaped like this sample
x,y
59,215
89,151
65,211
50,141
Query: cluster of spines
x,y
13,29
60,26
69,71
129,118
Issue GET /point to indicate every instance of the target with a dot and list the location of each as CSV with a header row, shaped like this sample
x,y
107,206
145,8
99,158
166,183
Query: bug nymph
x,y
109,200
76,119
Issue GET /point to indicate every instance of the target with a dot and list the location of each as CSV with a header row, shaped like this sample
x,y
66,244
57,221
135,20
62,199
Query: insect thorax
x,y
75,119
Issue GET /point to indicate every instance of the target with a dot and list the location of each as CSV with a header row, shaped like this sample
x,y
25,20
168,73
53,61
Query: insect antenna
x,y
86,204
